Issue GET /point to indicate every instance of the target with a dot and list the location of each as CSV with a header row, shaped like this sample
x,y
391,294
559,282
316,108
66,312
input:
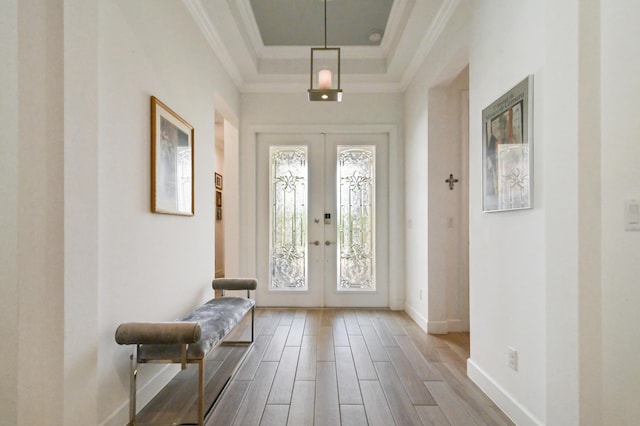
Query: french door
x,y
323,220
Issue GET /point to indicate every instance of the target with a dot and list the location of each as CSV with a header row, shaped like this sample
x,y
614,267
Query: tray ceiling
x,y
265,44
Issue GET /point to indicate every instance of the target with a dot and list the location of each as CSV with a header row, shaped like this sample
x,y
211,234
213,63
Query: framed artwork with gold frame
x,y
172,162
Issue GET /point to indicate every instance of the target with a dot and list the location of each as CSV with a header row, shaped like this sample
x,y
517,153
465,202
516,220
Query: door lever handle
x,y
315,243
328,243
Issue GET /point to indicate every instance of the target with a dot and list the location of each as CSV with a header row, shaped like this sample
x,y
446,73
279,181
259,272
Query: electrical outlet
x,y
513,358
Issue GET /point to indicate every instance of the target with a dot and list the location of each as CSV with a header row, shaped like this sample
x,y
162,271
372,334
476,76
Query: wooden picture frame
x,y
507,150
172,162
218,180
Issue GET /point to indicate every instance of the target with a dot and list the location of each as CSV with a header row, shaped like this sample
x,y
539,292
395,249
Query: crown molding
x,y
439,23
210,34
250,25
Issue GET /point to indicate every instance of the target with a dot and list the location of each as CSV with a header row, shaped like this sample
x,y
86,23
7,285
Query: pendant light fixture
x,y
327,61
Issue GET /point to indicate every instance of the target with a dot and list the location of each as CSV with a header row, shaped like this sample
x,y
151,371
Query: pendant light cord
x,y
325,24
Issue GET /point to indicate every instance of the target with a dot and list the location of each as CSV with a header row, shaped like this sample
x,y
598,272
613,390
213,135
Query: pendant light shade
x,y
324,80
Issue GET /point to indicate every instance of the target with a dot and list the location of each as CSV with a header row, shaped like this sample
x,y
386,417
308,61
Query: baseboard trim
x,y
415,316
448,326
515,411
145,393
438,327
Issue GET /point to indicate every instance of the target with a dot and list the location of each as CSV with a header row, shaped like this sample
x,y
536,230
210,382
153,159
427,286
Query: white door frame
x,y
395,206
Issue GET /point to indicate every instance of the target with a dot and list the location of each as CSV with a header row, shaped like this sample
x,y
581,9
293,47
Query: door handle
x,y
328,243
315,243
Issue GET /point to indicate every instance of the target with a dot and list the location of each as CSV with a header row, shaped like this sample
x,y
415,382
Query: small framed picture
x,y
218,180
218,199
218,213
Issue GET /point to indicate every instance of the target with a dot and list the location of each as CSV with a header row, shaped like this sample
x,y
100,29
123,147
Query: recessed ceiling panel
x,y
301,22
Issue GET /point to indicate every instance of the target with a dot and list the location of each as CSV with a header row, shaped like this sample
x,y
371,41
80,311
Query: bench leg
x,y
201,392
133,375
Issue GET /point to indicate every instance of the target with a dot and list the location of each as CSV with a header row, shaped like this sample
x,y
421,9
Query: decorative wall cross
x,y
451,181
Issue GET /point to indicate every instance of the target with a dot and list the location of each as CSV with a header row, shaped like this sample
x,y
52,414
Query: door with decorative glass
x,y
322,228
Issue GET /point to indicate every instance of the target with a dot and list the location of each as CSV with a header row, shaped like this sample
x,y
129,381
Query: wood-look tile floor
x,y
334,367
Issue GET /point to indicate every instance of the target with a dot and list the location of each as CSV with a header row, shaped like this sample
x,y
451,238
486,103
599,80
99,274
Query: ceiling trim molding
x,y
251,26
392,30
210,34
295,85
429,40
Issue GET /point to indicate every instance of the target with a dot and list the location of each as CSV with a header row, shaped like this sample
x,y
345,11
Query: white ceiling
x,y
280,61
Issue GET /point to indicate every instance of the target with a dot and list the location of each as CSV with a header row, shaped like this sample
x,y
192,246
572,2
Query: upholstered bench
x,y
189,339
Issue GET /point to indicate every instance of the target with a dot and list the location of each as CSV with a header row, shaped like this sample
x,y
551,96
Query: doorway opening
x,y
448,227
226,207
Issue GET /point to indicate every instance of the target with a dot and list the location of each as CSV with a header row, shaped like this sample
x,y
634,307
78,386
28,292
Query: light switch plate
x,y
632,214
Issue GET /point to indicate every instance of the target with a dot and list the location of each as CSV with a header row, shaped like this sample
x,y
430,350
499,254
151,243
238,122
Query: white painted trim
x,y
514,410
394,262
196,9
457,326
394,22
145,393
250,24
429,40
438,327
416,317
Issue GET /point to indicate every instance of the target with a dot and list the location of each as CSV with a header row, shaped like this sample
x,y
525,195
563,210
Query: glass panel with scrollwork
x,y
356,221
288,218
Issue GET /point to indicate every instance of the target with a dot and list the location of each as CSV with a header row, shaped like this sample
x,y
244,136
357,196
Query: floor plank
x,y
302,407
421,366
432,415
297,329
414,386
457,411
375,403
401,407
385,336
282,387
352,415
351,322
229,403
348,387
275,415
326,350
276,345
327,410
255,398
376,350
340,336
361,358
307,360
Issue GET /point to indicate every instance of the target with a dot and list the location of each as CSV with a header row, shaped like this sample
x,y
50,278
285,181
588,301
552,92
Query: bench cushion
x,y
234,284
216,318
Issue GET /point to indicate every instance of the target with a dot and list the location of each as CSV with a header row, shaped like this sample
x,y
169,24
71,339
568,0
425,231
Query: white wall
x,y
507,250
356,109
9,166
620,179
152,266
32,297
